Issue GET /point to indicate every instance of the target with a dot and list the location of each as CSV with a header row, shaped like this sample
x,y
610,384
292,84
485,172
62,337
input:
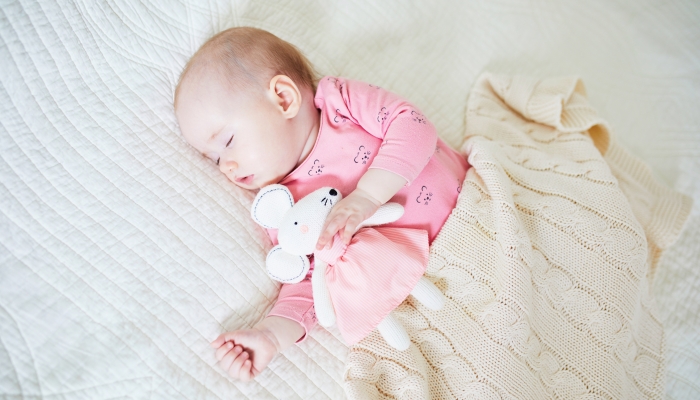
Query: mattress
x,y
123,252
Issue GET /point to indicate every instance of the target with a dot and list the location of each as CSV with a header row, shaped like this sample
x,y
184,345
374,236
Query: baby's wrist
x,y
282,332
270,335
366,195
381,185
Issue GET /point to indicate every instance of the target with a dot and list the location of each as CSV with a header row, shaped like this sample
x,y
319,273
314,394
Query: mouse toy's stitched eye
x,y
295,223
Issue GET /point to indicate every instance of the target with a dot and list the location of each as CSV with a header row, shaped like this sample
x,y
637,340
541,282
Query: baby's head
x,y
245,100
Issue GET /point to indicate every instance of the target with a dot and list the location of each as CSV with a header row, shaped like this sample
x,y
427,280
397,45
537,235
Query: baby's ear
x,y
270,205
286,268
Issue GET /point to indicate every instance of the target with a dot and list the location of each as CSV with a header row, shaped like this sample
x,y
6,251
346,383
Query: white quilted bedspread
x,y
123,252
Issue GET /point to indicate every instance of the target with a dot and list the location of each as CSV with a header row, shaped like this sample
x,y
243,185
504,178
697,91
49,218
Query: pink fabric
x,y
362,127
372,275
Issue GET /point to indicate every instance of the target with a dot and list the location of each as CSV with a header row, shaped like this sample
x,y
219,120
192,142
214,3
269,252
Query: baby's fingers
x,y
229,356
246,372
235,370
223,349
216,343
225,337
350,227
328,232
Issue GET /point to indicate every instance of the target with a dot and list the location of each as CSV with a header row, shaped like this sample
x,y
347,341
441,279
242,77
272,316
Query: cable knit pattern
x,y
546,263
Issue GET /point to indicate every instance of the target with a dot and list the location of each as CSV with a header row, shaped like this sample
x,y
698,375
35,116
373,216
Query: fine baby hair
x,y
400,250
248,57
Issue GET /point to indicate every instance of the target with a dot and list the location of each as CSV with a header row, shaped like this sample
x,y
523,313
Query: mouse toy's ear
x,y
270,205
286,268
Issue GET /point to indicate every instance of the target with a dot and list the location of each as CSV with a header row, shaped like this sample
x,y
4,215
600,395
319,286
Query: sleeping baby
x,y
250,102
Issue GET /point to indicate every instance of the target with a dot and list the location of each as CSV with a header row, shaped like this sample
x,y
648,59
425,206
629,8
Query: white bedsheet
x,y
123,252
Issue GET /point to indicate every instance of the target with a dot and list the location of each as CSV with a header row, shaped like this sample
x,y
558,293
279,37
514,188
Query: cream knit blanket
x,y
546,263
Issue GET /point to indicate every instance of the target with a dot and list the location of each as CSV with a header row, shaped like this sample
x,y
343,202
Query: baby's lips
x,y
245,179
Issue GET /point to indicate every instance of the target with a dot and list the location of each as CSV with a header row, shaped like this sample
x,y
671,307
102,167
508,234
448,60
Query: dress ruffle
x,y
372,275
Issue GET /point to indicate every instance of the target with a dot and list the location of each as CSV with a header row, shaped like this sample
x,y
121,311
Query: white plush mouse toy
x,y
355,285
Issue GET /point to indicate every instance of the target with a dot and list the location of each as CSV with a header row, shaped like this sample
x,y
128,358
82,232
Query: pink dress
x,y
372,275
363,126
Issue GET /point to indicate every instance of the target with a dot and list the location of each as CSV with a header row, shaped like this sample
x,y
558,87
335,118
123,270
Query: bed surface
x,y
123,252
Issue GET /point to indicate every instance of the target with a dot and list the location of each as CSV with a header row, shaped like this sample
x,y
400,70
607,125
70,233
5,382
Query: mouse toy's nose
x,y
333,192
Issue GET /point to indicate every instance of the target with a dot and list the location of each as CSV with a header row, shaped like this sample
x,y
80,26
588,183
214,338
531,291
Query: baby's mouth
x,y
246,180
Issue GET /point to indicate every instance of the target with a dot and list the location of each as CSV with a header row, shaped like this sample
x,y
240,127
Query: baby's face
x,y
252,142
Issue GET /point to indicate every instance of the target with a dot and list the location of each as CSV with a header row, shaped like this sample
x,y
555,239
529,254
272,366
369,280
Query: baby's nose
x,y
304,228
227,166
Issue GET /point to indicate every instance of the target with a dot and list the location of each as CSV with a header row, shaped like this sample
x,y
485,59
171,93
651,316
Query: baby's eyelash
x,y
229,141
217,160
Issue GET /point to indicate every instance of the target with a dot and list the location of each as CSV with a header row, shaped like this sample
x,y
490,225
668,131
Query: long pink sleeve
x,y
295,301
408,138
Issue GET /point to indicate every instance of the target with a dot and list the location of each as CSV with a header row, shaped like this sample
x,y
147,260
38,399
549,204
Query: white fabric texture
x,y
123,252
545,261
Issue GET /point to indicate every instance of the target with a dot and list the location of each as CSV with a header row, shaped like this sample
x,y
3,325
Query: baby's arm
x,y
244,353
290,319
408,142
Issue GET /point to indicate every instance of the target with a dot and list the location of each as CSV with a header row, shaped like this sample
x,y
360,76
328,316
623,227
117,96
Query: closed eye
x,y
217,160
229,141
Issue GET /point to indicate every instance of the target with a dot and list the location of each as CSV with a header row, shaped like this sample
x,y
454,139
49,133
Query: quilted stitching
x,y
123,252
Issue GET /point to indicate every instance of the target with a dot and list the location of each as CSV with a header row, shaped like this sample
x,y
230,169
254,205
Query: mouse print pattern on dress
x,y
336,83
362,155
418,117
316,168
339,118
382,115
424,196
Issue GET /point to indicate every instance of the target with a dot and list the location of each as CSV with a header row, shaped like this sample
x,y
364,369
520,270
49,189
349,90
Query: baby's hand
x,y
245,353
346,216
